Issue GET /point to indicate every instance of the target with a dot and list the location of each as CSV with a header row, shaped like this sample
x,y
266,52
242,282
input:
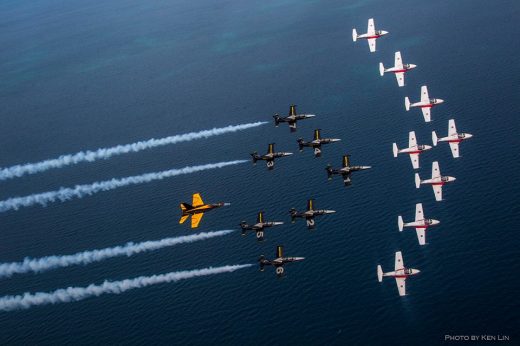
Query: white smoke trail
x,y
74,294
80,191
38,265
105,153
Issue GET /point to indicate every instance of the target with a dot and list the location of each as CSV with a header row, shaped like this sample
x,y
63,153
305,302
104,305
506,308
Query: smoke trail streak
x,y
106,153
38,265
74,294
80,191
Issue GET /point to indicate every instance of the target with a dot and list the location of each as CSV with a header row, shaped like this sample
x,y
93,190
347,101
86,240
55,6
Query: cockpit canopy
x,y
408,271
421,147
445,179
379,32
407,66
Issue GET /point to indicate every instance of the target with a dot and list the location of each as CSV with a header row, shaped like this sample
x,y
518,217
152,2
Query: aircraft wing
x,y
346,178
412,140
424,94
426,112
371,30
401,285
399,264
452,129
279,251
436,171
454,146
437,189
415,160
419,215
317,134
400,78
195,220
372,44
197,200
398,62
421,235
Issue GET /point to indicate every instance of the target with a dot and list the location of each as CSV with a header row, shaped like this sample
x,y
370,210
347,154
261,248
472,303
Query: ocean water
x,y
79,75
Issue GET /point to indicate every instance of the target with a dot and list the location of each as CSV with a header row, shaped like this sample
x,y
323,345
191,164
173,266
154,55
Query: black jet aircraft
x,y
197,209
309,214
292,118
345,171
259,226
278,262
316,143
269,157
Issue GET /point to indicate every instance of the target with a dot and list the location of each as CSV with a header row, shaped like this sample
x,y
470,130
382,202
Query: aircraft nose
x,y
384,32
427,147
468,135
440,100
413,66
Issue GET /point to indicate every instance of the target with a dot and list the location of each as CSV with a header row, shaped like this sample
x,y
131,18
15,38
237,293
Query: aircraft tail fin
x,y
395,149
183,218
261,262
417,180
254,155
276,120
185,206
329,171
407,103
434,138
379,273
381,69
354,35
292,110
400,223
293,215
300,144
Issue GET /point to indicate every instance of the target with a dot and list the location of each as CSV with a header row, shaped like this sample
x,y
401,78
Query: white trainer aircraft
x,y
454,138
436,181
399,69
413,149
400,273
421,223
371,35
425,104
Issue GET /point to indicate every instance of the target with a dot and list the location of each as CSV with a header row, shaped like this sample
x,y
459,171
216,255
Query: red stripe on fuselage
x,y
377,36
428,106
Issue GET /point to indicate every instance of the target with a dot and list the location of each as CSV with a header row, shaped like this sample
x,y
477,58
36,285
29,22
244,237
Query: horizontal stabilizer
x,y
354,35
395,149
379,273
407,103
417,180
434,138
381,69
400,223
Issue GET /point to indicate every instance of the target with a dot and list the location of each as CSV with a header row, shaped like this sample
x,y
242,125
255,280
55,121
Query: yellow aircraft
x,y
197,210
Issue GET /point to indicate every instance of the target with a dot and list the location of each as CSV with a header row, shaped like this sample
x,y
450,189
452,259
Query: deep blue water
x,y
78,75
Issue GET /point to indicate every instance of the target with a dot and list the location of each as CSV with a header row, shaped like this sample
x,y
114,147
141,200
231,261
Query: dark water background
x,y
78,75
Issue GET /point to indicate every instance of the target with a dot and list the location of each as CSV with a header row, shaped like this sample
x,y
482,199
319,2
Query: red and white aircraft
x,y
413,149
420,223
371,35
436,181
453,138
425,104
399,69
400,273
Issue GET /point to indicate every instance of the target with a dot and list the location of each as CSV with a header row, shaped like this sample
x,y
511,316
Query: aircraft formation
x,y
197,209
437,181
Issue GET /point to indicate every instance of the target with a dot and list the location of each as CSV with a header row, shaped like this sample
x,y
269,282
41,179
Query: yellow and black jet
x,y
309,214
345,171
316,143
292,118
269,157
278,262
197,210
